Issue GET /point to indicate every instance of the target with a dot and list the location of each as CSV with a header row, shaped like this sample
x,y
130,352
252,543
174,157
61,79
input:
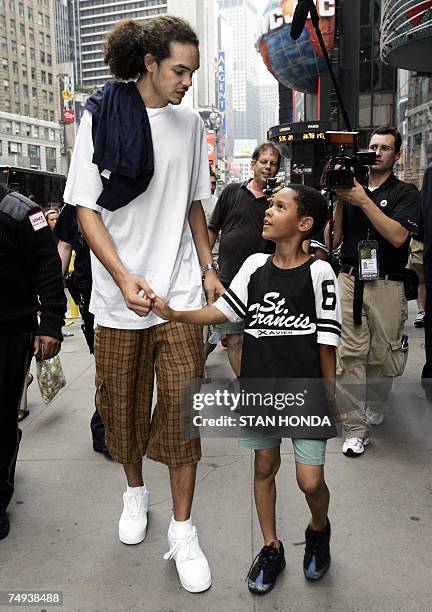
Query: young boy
x,y
301,289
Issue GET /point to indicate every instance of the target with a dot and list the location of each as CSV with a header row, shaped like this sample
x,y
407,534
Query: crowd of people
x,y
147,229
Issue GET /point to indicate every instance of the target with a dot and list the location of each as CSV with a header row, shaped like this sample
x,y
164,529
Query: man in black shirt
x,y
239,216
426,208
30,277
79,283
373,225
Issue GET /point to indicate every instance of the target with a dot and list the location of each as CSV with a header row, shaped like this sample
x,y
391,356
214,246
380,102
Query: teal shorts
x,y
308,451
228,328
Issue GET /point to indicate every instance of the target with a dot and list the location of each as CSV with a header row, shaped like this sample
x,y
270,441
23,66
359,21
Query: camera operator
x,y
373,226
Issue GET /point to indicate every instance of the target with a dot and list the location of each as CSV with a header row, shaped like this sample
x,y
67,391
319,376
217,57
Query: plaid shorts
x,y
126,363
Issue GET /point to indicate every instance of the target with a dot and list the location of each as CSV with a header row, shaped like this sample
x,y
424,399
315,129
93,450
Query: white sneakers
x,y
353,447
192,566
133,521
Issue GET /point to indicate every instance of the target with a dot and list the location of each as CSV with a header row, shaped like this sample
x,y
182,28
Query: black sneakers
x,y
317,553
4,524
265,569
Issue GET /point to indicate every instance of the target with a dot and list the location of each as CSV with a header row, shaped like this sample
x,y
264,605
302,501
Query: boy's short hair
x,y
311,203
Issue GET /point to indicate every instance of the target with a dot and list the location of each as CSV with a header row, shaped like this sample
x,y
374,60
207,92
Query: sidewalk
x,y
64,514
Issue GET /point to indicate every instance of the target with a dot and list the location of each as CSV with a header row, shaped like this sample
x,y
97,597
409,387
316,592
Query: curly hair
x,y
129,41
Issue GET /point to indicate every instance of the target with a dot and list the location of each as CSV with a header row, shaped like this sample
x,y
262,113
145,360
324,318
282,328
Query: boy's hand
x,y
162,310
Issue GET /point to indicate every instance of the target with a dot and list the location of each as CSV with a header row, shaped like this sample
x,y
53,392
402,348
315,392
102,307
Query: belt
x,y
353,271
359,288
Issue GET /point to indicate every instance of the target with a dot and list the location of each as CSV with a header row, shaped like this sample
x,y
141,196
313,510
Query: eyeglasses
x,y
385,148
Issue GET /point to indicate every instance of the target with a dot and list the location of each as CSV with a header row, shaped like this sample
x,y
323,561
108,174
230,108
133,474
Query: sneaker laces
x,y
135,506
267,556
187,547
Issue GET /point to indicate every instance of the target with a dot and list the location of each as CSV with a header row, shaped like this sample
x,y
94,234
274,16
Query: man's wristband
x,y
210,266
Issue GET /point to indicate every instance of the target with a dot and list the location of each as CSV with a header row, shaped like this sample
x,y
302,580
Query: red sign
x,y
211,147
68,116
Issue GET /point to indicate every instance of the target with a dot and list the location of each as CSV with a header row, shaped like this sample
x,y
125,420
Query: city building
x,y
203,16
243,17
406,43
415,124
269,108
30,133
91,20
308,103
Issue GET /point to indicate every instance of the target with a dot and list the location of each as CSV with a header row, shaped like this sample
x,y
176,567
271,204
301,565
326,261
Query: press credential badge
x,y
368,260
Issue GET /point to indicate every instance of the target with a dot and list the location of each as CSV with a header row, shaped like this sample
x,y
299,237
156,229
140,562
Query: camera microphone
x,y
300,17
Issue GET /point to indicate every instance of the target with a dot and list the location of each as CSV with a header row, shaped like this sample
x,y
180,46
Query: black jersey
x,y
287,314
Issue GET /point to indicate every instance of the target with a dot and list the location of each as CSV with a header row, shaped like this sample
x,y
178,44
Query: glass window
x,y
365,45
33,73
383,109
30,14
50,152
16,89
34,92
25,90
42,57
43,76
33,150
14,148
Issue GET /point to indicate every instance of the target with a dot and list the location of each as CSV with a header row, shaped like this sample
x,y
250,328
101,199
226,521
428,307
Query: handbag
x,y
50,378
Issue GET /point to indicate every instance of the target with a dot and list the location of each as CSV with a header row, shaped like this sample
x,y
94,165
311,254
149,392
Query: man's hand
x,y
137,294
354,195
45,347
212,286
162,310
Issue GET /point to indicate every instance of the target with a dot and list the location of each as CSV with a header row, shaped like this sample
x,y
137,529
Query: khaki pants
x,y
371,352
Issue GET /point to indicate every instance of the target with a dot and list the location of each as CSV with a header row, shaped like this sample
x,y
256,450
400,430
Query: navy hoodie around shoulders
x,y
122,143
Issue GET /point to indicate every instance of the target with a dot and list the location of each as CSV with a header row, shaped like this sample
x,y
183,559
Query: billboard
x,y
67,98
211,147
222,90
245,147
295,63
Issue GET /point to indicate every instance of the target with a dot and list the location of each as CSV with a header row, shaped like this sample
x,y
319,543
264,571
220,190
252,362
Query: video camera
x,y
347,162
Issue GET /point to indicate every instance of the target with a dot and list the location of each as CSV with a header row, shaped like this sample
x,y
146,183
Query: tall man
x,y
239,216
30,277
374,225
156,239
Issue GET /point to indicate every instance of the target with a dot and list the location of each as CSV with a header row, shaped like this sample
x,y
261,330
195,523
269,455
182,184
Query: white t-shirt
x,y
152,233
